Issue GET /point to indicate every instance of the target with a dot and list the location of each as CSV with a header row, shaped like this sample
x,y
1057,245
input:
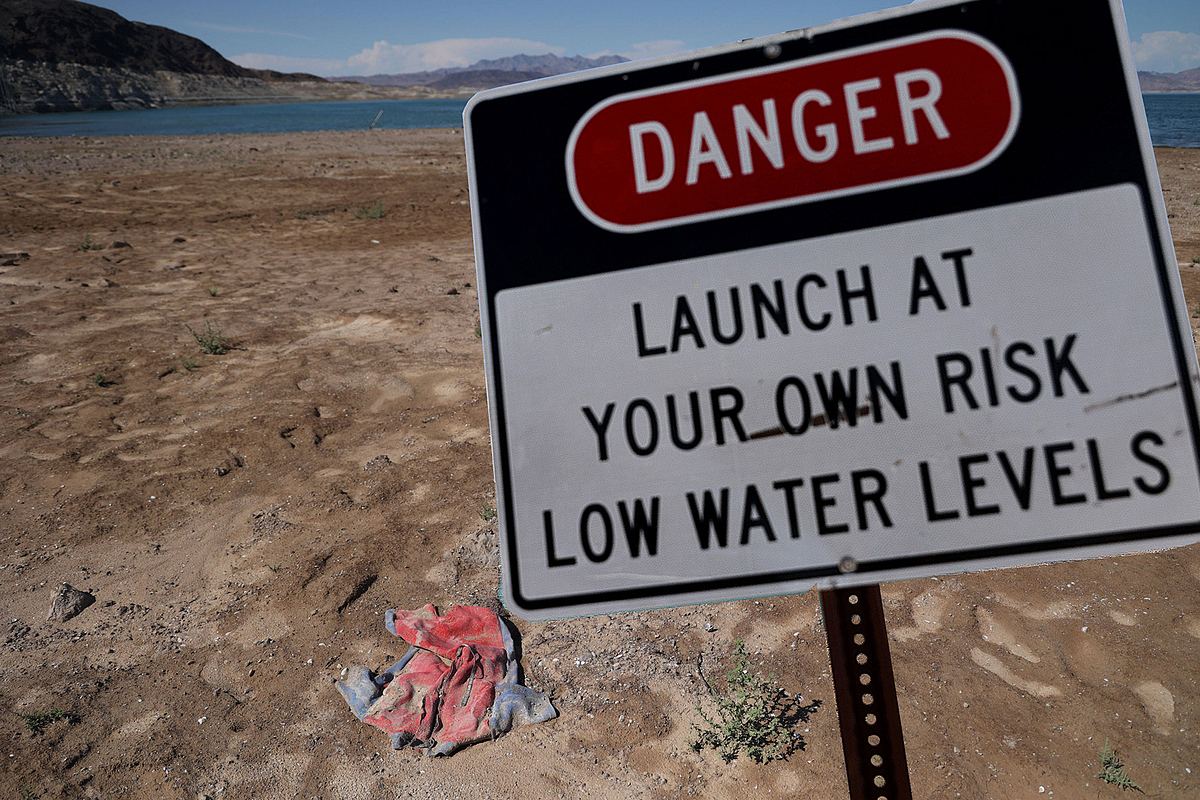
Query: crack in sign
x,y
817,421
1125,398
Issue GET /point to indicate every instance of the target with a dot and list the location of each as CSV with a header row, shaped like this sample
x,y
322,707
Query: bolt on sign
x,y
890,298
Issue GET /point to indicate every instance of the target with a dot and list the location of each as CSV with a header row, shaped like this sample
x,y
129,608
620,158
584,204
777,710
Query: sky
x,y
357,37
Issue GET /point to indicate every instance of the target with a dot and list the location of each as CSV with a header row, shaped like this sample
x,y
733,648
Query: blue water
x,y
256,118
1174,119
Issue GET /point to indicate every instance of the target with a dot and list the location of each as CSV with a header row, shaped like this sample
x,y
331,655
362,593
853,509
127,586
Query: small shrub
x,y
36,723
213,291
190,364
211,340
102,380
754,716
488,513
1112,771
373,211
88,244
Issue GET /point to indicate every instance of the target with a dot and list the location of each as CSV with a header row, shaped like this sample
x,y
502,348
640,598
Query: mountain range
x,y
1186,81
66,55
489,71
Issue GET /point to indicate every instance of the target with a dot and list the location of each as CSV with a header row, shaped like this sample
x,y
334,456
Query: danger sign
x,y
874,301
793,133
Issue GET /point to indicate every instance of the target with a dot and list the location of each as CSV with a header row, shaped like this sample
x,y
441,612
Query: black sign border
x,y
1154,216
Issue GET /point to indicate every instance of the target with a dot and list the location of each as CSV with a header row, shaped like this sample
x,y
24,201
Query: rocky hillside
x,y
70,32
1186,81
64,55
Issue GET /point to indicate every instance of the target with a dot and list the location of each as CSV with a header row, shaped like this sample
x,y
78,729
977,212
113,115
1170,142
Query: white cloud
x,y
385,57
317,66
1167,51
652,49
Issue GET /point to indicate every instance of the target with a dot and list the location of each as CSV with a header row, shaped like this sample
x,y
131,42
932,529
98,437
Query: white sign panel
x,y
806,400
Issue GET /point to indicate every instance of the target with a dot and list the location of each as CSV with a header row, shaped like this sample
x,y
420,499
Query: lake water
x,y
249,118
1174,119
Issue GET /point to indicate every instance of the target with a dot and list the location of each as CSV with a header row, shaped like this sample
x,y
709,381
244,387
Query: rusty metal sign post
x,y
868,711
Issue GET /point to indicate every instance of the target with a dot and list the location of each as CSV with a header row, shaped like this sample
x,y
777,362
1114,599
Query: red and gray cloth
x,y
459,682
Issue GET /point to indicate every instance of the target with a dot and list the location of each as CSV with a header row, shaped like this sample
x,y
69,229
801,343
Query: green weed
x,y
211,340
488,513
373,211
213,291
1112,771
190,364
102,380
754,716
88,244
36,723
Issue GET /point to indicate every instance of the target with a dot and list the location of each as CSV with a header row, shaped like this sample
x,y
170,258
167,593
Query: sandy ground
x,y
245,519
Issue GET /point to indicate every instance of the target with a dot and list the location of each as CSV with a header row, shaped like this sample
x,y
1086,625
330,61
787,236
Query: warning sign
x,y
886,299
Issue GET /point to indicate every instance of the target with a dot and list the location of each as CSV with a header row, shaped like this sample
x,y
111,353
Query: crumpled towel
x,y
459,682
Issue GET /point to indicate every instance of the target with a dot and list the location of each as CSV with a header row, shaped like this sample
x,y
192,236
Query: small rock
x,y
12,259
377,463
179,240
708,626
452,290
172,267
108,283
68,603
119,245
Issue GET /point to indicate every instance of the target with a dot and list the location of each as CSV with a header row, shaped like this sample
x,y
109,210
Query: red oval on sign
x,y
896,113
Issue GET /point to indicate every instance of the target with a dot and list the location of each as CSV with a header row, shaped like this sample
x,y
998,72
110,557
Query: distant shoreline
x,y
337,94
1173,124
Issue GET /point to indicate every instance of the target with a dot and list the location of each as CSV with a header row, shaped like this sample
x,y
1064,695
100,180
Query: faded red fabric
x,y
410,701
461,625
445,692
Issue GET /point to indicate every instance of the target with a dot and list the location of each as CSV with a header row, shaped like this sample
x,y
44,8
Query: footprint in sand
x,y
1159,704
928,608
995,632
994,666
1060,609
1121,618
